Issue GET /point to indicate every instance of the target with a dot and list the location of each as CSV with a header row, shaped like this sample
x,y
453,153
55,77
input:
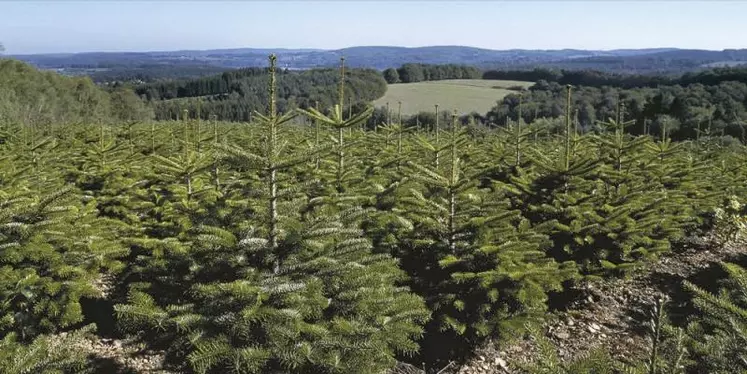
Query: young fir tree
x,y
339,124
556,188
719,330
518,136
675,170
54,250
340,182
370,179
723,174
548,361
598,201
478,263
44,355
629,216
275,290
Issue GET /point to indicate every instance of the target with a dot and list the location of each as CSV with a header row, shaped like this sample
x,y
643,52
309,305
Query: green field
x,y
464,95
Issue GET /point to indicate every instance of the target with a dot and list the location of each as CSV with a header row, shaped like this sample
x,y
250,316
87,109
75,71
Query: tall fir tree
x,y
278,290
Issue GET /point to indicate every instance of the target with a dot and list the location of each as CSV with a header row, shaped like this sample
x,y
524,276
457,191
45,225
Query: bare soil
x,y
611,314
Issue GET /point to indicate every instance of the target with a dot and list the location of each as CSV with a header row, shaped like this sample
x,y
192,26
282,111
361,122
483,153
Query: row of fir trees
x,y
326,248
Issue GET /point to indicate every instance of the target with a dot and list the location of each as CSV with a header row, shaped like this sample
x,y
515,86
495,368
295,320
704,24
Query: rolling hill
x,y
668,61
657,60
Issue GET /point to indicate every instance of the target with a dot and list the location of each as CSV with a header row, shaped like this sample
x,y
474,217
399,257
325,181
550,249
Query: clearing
x,y
464,95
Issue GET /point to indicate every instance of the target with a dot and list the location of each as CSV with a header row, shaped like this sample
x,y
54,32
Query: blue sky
x,y
106,25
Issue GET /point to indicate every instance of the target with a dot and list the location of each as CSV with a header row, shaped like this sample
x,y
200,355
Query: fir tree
x,y
277,290
44,355
719,332
479,265
54,250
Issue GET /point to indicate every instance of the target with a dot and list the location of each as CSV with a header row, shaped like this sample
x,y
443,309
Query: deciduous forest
x,y
150,231
712,102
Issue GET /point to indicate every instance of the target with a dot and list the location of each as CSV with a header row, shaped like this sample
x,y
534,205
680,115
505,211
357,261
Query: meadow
x,y
463,95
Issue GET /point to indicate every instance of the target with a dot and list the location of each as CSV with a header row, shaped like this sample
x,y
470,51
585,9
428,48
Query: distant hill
x,y
657,60
666,61
378,57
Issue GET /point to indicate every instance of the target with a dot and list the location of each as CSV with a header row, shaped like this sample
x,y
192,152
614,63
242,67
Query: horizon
x,y
354,46
37,27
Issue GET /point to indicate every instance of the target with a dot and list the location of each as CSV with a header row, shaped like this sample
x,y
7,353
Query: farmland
x,y
463,95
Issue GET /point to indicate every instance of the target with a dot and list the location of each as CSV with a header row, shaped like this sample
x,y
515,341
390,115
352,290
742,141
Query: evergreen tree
x,y
44,355
477,262
720,332
55,249
276,290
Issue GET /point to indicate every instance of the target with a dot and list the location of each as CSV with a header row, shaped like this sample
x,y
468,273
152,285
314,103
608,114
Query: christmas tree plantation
x,y
303,242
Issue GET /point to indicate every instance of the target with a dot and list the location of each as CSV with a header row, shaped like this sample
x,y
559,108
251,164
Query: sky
x,y
107,25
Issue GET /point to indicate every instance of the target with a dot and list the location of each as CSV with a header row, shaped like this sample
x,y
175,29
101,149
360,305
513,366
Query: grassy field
x,y
464,95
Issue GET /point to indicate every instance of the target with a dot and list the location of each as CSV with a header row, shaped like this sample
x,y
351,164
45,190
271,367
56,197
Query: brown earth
x,y
608,314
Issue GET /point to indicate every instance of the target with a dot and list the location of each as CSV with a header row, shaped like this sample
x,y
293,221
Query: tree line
x,y
685,112
212,85
597,78
148,73
235,95
411,73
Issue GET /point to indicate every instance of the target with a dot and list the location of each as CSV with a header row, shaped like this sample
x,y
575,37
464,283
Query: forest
x,y
411,73
317,240
599,78
692,103
148,73
688,112
45,98
235,95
